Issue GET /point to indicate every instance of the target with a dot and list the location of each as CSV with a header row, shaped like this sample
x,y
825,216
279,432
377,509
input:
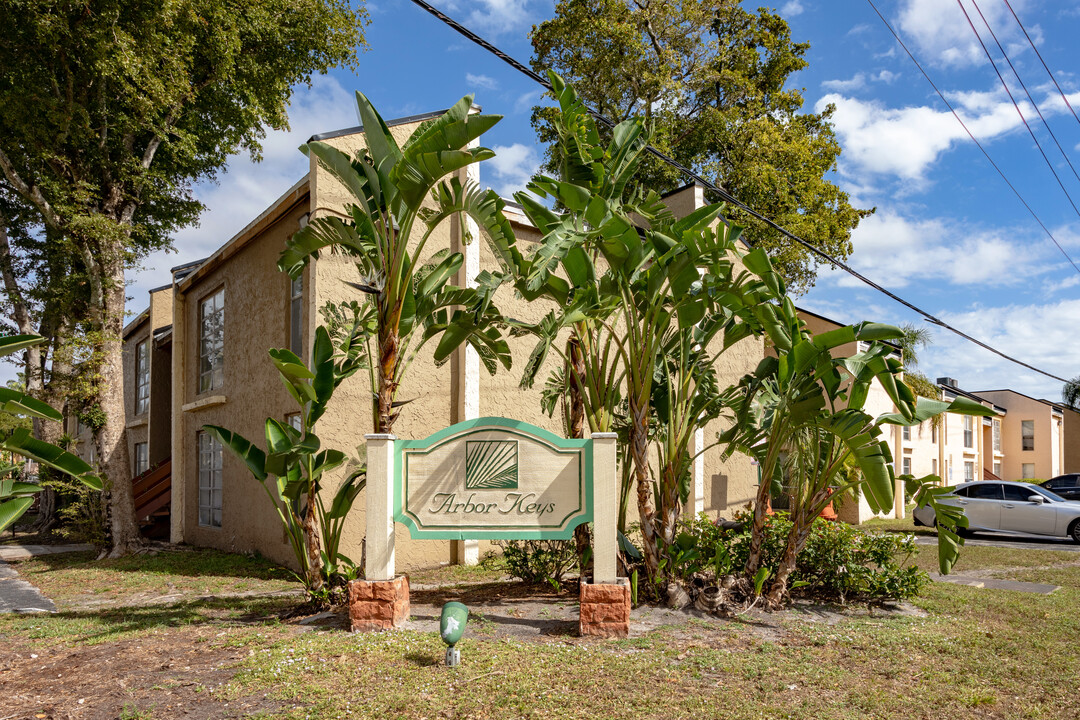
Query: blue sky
x,y
948,234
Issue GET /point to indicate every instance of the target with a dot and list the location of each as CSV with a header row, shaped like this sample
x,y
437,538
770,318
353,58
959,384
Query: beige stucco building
x,y
1033,434
228,310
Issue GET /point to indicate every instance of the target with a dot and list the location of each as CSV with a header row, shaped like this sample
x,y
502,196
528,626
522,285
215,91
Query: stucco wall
x,y
1022,408
1071,442
256,299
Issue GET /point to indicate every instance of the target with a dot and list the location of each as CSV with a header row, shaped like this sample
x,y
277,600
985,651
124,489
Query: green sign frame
x,y
491,463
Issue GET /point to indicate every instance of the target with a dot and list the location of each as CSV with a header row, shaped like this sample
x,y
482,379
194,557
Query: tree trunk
x,y
576,369
639,450
388,361
757,526
112,441
314,547
802,523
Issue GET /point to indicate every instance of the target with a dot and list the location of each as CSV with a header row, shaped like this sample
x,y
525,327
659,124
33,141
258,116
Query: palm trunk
x,y
582,541
757,526
802,524
639,450
314,578
389,343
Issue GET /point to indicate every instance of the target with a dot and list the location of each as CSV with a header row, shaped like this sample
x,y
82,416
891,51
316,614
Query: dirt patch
x,y
172,674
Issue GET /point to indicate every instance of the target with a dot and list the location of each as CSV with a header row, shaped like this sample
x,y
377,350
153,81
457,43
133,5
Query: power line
x,y
1039,55
1016,105
726,196
974,139
1026,91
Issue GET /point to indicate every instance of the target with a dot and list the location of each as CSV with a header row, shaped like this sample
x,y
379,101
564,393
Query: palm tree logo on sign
x,y
491,464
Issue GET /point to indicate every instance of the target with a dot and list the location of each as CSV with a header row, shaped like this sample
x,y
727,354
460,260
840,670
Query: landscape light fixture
x,y
451,628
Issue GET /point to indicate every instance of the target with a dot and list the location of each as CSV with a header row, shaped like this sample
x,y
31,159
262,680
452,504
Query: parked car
x,y
1067,486
1010,507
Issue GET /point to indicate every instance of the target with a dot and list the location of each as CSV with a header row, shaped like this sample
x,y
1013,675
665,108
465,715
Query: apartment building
x,y
1033,434
226,311
968,450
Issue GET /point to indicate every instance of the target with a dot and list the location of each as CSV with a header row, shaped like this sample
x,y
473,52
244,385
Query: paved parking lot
x,y
1009,540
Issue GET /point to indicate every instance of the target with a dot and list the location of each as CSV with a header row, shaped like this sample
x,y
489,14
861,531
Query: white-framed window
x,y
212,342
1027,435
905,466
906,432
142,458
969,471
997,435
969,431
293,419
997,469
933,466
296,316
1027,471
142,377
209,481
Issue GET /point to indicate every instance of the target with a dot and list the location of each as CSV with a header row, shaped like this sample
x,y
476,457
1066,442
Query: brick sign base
x,y
605,609
378,605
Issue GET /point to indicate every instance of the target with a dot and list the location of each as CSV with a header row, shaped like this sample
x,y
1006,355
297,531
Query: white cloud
x,y
885,76
1042,335
906,141
494,17
513,166
525,101
246,188
942,35
854,83
481,81
792,8
895,251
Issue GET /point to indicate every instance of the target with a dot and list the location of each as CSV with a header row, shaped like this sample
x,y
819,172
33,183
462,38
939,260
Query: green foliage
x,y
17,497
538,561
713,78
1070,393
292,467
400,195
838,562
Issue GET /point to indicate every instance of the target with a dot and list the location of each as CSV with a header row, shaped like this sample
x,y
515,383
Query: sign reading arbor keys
x,y
493,478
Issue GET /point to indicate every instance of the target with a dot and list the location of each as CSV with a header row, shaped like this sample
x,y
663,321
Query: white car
x,y
1010,507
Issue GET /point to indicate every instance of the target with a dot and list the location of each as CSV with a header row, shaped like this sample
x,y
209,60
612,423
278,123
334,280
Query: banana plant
x,y
399,196
801,415
16,497
292,467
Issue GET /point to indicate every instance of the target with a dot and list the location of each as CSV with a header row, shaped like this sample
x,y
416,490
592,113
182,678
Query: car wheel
x,y
1074,531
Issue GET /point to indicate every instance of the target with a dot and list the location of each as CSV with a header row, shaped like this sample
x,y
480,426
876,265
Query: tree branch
x,y
31,193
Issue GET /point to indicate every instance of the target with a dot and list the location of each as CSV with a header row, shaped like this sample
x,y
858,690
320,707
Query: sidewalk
x,y
17,595
22,552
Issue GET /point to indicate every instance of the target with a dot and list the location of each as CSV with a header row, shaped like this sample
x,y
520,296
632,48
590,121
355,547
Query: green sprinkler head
x,y
451,628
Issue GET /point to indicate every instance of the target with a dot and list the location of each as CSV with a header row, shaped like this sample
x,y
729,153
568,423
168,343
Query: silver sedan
x,y
1010,507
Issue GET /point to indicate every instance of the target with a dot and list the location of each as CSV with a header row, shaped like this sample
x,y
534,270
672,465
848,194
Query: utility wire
x,y
1017,106
726,196
1039,55
974,139
1026,91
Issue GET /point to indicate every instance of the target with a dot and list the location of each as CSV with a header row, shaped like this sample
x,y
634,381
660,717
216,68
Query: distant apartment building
x,y
970,447
1034,435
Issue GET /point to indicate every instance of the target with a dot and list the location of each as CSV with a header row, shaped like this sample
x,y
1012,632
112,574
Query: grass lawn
x,y
970,653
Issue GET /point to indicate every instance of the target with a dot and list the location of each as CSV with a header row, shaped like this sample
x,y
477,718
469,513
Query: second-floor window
x,y
212,342
142,377
907,432
997,436
969,431
1027,434
296,316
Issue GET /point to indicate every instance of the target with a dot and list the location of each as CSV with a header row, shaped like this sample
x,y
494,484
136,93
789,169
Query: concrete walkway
x,y
995,584
19,596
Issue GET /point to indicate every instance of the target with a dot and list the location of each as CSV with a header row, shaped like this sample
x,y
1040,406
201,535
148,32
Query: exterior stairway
x,y
153,494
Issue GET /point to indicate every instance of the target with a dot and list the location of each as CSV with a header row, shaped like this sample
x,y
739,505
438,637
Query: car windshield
x,y
1054,497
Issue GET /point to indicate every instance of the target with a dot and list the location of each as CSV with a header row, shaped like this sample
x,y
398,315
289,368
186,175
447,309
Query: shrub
x,y
536,561
839,561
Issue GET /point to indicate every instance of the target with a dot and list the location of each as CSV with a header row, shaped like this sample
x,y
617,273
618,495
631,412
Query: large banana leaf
x,y
18,403
22,443
15,343
253,457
